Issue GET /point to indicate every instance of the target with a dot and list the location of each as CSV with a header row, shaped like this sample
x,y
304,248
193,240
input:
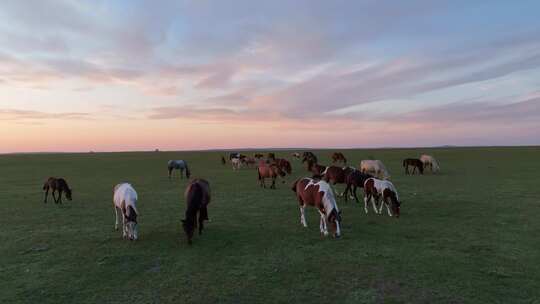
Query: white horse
x,y
236,163
125,200
431,162
374,167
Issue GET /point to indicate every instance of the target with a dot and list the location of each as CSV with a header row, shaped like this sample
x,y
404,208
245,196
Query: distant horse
x,y
258,156
284,165
338,157
354,180
375,190
269,171
271,156
179,165
337,175
125,201
223,161
296,155
309,156
317,193
234,155
415,163
56,184
375,168
236,163
197,197
431,162
316,169
249,161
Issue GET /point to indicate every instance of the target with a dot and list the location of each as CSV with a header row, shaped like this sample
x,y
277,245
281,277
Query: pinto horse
x,y
269,171
179,165
354,180
337,175
338,157
430,162
317,193
197,196
377,189
56,184
125,201
415,163
309,156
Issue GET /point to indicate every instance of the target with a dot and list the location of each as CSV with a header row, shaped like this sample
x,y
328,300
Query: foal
x,y
355,180
375,189
197,197
56,184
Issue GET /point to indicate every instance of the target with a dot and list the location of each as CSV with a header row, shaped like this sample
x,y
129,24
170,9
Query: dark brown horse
x,y
338,157
56,185
337,175
355,180
269,171
284,165
415,163
309,156
197,197
258,155
316,169
271,156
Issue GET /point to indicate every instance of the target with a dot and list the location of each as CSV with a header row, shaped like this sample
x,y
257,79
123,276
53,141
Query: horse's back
x,y
124,193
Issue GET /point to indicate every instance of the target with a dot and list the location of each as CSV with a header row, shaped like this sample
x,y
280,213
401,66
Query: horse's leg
x,y
303,214
54,196
46,195
273,183
346,193
388,207
324,229
60,196
124,227
366,200
374,202
414,170
116,218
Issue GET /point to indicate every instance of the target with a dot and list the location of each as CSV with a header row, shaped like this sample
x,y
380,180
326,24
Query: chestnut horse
x,y
197,197
415,163
284,165
377,189
338,157
56,184
269,171
317,193
354,180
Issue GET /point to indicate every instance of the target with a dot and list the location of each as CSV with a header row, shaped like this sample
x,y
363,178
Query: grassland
x,y
470,234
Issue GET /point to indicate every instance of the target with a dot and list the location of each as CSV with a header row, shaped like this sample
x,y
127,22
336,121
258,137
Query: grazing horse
x,y
375,168
248,161
56,184
337,175
338,157
296,155
223,161
284,165
271,156
258,156
309,156
234,155
236,163
197,197
375,189
317,193
125,201
316,169
269,171
415,163
431,162
179,165
354,180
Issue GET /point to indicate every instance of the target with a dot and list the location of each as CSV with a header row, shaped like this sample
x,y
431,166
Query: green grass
x,y
470,234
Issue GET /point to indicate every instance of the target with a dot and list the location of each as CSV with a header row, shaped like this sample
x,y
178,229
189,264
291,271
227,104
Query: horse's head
x,y
395,205
131,227
334,219
189,228
68,194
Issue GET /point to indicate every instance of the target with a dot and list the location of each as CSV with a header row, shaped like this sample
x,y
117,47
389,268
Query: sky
x,y
188,75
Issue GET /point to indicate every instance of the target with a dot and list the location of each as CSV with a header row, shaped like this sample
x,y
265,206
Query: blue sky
x,y
222,74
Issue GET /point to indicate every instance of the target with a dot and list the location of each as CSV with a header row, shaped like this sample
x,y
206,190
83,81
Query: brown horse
x,y
271,157
269,171
355,180
284,165
338,157
56,184
317,193
309,156
337,175
316,169
197,197
258,155
415,163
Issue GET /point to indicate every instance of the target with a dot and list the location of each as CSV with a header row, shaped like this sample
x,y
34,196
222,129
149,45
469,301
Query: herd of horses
x,y
315,191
